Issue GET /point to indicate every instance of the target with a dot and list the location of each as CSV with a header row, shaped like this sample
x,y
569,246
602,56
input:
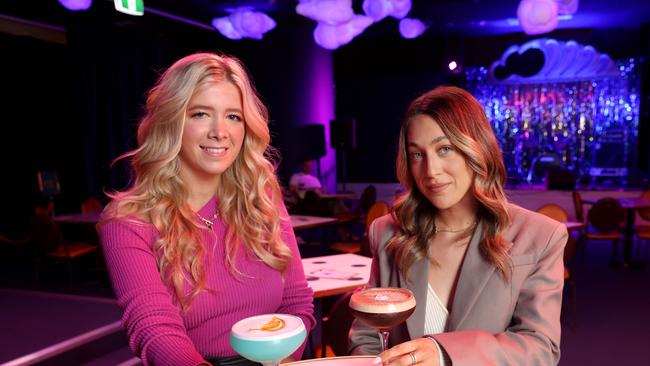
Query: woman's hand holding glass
x,y
421,351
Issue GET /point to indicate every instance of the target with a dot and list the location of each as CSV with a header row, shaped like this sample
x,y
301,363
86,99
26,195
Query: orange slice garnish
x,y
272,325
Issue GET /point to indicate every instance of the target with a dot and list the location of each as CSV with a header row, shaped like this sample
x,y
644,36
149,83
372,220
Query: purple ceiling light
x,y
326,11
244,23
411,28
537,16
567,7
400,8
333,36
379,9
76,5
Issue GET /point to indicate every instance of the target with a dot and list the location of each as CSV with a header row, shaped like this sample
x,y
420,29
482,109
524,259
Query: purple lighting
x,y
326,11
244,23
411,28
333,36
537,16
453,65
379,9
76,5
567,7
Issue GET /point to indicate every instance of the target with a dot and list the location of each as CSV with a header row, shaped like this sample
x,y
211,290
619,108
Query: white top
x,y
436,314
304,182
435,321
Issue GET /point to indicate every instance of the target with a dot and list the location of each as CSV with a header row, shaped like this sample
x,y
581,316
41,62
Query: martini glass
x,y
268,338
382,309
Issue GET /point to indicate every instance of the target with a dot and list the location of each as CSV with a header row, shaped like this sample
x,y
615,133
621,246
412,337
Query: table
x,y
630,205
336,274
337,195
302,222
573,225
77,218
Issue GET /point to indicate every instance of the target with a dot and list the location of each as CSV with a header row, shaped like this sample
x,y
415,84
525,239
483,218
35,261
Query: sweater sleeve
x,y
297,297
153,322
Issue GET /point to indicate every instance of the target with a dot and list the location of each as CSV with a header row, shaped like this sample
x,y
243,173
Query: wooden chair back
x,y
376,211
645,212
577,205
554,211
606,215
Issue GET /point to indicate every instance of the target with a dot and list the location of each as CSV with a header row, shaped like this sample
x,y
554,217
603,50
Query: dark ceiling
x,y
472,17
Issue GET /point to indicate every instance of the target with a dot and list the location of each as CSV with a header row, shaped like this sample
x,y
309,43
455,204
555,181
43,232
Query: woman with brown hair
x,y
487,275
202,238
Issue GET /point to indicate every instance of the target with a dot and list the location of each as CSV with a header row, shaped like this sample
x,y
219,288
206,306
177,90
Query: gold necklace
x,y
209,223
439,230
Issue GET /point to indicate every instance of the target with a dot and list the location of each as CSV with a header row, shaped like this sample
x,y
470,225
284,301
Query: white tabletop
x,y
300,222
336,274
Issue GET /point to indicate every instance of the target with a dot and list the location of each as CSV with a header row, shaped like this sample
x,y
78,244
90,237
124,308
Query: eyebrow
x,y
434,141
201,106
198,106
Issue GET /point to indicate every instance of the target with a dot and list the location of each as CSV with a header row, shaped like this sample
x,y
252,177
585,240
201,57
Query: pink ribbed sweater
x,y
158,332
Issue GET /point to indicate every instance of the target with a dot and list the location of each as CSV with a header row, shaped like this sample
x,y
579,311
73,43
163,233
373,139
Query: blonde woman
x,y
201,239
487,275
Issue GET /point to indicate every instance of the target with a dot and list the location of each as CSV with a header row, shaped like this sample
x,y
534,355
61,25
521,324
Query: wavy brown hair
x,y
248,191
463,121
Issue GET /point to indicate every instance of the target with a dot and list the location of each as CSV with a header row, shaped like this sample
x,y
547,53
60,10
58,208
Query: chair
x,y
377,210
643,230
312,205
644,213
570,251
336,326
577,205
554,211
558,213
604,220
51,245
368,198
92,205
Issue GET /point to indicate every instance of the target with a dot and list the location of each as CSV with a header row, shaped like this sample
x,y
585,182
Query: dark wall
x,y
74,107
375,80
40,130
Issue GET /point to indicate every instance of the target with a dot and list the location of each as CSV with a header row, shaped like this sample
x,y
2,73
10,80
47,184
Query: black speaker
x,y
343,134
560,179
311,142
609,154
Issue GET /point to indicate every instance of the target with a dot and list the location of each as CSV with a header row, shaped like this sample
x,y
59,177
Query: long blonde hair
x,y
248,190
463,121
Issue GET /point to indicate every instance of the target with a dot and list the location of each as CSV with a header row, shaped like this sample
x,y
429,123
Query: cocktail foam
x,y
382,300
268,326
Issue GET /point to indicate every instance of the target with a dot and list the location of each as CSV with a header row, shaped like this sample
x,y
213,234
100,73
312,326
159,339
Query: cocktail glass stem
x,y
383,336
272,363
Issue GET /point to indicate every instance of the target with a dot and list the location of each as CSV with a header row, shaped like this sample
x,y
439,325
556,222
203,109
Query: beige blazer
x,y
491,322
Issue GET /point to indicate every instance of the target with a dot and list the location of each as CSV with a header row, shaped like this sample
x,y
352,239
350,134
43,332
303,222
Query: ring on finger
x,y
414,359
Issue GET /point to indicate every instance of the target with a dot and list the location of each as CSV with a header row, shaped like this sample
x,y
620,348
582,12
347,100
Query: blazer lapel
x,y
474,275
419,286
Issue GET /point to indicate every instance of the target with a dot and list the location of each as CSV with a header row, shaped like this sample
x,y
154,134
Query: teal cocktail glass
x,y
267,338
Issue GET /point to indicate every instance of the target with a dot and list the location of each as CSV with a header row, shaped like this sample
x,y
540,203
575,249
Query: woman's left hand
x,y
421,351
